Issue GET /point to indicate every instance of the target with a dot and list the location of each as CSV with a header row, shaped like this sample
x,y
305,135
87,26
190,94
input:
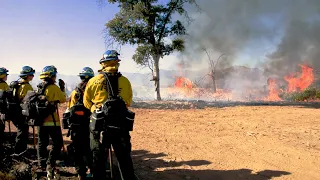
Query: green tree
x,y
149,25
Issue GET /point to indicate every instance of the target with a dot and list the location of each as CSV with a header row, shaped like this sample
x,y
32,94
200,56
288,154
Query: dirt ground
x,y
232,143
228,143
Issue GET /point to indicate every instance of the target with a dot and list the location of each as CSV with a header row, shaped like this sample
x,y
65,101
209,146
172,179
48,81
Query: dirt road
x,y
231,143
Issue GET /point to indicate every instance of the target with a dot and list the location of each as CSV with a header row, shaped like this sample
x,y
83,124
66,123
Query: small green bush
x,y
318,94
308,94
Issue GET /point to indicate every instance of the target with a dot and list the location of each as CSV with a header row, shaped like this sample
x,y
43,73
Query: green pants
x,y
44,132
81,144
22,137
120,141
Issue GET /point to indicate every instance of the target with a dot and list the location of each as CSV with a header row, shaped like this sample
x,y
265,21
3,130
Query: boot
x,y
50,173
82,177
56,174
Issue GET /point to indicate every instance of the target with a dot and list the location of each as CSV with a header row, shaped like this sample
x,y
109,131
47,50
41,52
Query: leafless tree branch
x,y
150,64
102,3
200,80
211,63
217,61
110,42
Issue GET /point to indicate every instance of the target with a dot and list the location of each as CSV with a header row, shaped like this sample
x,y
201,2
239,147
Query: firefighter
x,y
3,87
94,96
51,124
26,74
80,132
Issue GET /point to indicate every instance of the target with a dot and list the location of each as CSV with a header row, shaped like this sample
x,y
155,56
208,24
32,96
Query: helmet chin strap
x,y
85,79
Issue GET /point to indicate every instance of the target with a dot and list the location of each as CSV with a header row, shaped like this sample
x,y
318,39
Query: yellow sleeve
x,y
73,99
54,93
130,94
88,95
4,86
23,90
125,90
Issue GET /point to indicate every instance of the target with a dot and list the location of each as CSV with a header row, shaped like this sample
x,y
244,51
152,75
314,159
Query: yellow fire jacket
x,y
23,90
54,94
96,94
73,100
4,86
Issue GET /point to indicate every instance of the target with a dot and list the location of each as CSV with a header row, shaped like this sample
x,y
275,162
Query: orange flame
x,y
183,82
302,82
294,83
273,91
184,88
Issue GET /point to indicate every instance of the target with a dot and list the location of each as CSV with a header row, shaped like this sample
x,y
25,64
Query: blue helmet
x,y
86,72
48,72
3,72
110,55
55,69
26,71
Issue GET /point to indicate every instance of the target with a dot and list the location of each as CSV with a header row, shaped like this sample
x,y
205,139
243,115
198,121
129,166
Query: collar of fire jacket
x,y
110,66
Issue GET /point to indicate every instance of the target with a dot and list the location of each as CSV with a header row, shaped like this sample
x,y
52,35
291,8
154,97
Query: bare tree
x,y
213,68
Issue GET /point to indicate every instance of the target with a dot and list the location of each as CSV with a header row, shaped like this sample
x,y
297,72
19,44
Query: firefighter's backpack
x,y
78,114
36,107
114,112
9,102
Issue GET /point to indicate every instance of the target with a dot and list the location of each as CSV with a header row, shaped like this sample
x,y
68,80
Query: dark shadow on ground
x,y
146,165
149,166
28,162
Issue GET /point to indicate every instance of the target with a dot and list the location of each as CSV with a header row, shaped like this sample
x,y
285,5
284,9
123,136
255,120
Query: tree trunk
x,y
156,77
214,85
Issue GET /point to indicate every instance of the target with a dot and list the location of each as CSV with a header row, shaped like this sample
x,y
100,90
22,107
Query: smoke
x,y
284,33
299,45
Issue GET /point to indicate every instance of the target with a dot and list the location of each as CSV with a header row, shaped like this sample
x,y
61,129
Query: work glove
x,y
62,85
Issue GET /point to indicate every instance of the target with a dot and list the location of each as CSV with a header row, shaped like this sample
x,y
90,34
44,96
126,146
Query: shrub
x,y
308,94
318,94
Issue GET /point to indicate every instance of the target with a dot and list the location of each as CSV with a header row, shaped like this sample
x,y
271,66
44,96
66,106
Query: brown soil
x,y
232,143
228,143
